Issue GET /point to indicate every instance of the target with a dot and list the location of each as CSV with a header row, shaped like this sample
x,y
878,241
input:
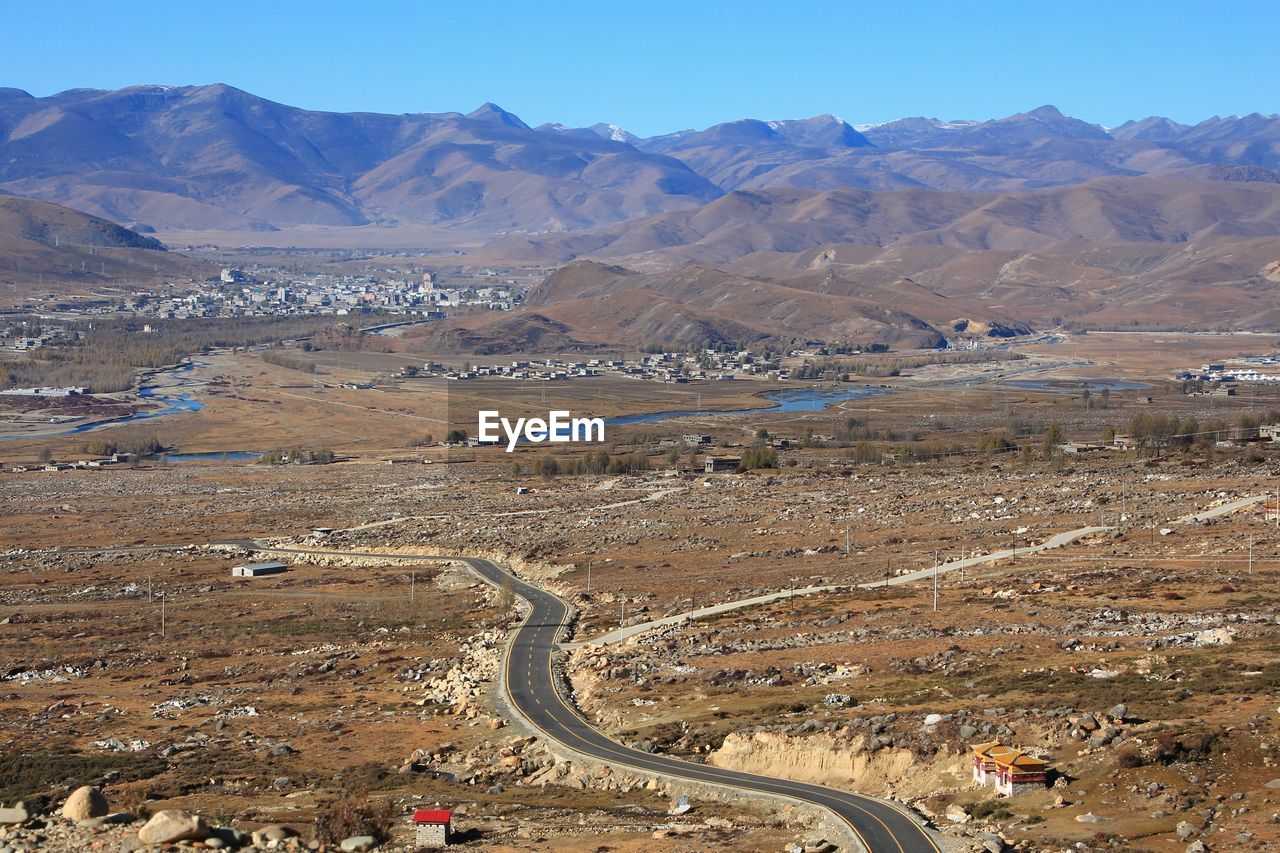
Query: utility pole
x,y
622,623
935,581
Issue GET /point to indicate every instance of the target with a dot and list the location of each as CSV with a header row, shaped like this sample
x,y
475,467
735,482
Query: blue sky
x,y
655,67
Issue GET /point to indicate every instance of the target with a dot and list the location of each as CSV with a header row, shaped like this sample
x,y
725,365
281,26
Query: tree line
x,y
103,354
845,368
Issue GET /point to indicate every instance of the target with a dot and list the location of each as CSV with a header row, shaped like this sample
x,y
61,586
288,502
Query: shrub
x,y
988,810
995,443
353,814
1129,758
24,776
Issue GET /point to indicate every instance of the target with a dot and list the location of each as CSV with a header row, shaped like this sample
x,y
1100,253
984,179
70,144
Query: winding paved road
x,y
532,690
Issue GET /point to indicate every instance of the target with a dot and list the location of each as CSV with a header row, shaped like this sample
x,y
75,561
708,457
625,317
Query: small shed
x,y
257,570
432,827
1271,510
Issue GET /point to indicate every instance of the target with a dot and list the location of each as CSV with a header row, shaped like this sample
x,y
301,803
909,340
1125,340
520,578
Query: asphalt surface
x,y
532,688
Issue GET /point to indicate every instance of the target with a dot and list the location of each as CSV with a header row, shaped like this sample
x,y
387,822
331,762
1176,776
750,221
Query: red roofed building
x,y
432,827
1010,769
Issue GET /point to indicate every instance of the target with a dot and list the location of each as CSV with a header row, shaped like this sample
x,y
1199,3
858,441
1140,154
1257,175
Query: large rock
x,y
14,814
85,802
273,832
358,843
172,825
1119,711
1185,829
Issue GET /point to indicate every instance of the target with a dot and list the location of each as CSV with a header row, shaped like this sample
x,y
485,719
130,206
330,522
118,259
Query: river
x,y
786,401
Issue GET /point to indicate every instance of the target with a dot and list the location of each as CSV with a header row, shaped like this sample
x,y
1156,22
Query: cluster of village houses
x,y
661,367
77,465
1245,370
1231,437
234,295
19,337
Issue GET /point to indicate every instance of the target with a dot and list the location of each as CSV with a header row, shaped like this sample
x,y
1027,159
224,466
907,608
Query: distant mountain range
x,y
908,232
214,158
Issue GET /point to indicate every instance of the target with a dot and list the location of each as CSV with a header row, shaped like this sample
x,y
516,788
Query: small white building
x,y
257,570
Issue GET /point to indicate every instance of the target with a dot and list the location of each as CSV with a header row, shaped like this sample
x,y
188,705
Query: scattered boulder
x,y
991,842
85,802
273,832
170,825
17,813
358,843
1185,829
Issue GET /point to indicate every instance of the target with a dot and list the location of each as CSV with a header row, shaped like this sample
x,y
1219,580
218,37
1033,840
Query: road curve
x,y
533,690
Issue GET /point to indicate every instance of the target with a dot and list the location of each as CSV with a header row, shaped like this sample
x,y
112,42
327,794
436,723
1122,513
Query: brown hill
x,y
48,249
1147,251
1101,212
587,305
1224,284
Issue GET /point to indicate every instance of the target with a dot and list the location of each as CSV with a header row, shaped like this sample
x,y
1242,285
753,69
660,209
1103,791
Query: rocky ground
x,y
268,701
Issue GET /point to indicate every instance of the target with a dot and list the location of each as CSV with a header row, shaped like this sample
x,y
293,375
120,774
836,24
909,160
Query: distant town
x,y
238,294
709,364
